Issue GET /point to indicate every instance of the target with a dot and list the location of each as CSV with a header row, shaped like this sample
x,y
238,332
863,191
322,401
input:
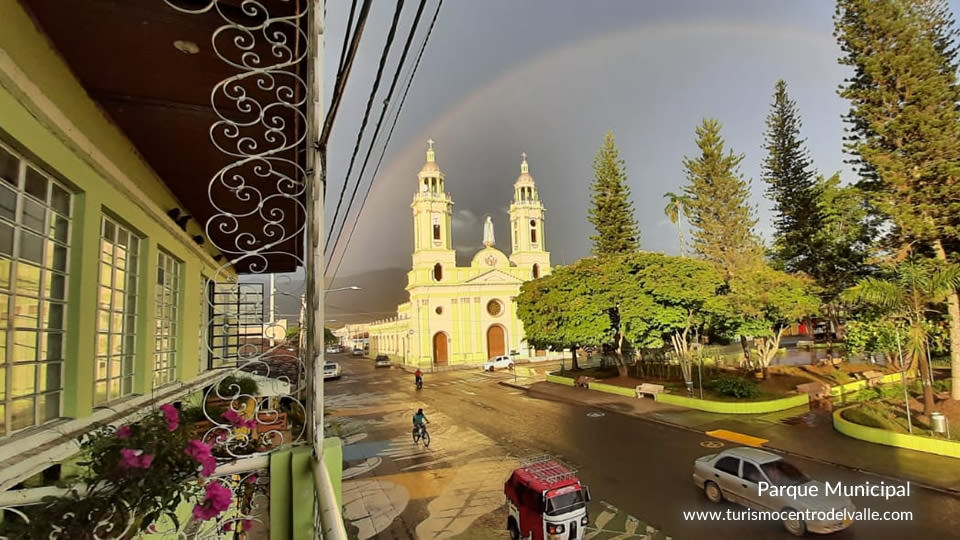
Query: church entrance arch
x,y
496,341
440,349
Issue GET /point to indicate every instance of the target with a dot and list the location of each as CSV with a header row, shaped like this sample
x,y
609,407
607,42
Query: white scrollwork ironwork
x,y
261,125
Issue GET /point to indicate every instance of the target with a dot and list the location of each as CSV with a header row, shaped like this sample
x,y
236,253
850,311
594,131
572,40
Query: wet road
x,y
480,428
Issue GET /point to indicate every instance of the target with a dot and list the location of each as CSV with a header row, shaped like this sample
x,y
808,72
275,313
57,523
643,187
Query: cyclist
x,y
418,378
419,420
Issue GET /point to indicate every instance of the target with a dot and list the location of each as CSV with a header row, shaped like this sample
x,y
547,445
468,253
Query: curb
x,y
647,418
512,385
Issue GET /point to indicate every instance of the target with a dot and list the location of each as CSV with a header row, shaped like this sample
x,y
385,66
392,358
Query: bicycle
x,y
420,433
419,384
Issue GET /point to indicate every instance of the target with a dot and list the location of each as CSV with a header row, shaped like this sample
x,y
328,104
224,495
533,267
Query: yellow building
x,y
463,315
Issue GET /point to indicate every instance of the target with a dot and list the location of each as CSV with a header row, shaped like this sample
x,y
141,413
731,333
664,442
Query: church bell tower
x,y
432,223
526,225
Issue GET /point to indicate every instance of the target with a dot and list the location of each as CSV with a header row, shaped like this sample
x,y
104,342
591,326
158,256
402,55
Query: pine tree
x,y
904,123
612,212
791,186
720,215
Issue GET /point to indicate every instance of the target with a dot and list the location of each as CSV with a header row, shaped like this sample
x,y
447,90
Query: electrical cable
x,y
366,118
389,136
376,132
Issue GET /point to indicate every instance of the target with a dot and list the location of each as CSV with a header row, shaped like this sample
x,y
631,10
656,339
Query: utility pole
x,y
273,307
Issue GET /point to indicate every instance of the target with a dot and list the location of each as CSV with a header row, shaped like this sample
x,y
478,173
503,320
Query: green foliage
x,y
871,417
904,123
871,336
611,212
120,493
232,385
738,387
328,337
788,172
678,207
720,212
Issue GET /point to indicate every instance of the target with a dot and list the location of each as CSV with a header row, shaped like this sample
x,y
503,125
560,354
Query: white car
x,y
333,350
736,474
498,362
331,370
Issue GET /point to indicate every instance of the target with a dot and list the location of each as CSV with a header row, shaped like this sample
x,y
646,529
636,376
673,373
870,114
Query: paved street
x,y
638,471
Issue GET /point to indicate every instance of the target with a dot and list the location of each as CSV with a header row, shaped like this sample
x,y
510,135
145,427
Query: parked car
x,y
333,349
734,474
331,370
498,362
358,352
382,360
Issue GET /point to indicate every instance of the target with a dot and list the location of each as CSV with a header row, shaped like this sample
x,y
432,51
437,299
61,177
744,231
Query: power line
x,y
366,117
376,131
343,73
346,34
389,136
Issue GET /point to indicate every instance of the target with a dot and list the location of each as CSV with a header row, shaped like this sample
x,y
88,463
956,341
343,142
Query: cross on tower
x,y
430,143
523,155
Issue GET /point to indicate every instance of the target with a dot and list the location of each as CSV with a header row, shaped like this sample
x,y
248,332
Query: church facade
x,y
463,315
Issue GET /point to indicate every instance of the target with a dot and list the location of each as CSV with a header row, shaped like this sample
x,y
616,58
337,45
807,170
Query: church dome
x,y
490,257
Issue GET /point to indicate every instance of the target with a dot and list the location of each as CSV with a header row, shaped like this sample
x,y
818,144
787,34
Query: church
x,y
463,315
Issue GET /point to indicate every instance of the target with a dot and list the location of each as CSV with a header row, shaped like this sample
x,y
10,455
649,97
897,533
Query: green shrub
x,y
737,387
228,386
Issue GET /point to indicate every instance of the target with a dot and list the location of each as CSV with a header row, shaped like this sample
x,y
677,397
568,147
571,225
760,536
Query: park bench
x,y
874,378
583,381
805,344
652,389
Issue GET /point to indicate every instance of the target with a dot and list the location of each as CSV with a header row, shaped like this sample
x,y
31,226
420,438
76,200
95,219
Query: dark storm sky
x,y
549,77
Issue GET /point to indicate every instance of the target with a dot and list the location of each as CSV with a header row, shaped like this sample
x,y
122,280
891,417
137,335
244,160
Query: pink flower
x,y
232,417
200,451
124,432
217,498
171,415
252,478
134,459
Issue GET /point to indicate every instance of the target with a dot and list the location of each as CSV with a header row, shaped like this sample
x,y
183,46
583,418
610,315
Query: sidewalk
x,y
800,431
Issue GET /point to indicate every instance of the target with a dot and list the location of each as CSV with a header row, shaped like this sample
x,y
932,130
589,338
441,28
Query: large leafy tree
x,y
678,207
720,214
913,289
905,123
328,337
791,185
559,310
679,297
765,302
844,243
611,212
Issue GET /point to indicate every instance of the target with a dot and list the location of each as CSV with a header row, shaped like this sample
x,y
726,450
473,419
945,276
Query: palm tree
x,y
908,296
677,208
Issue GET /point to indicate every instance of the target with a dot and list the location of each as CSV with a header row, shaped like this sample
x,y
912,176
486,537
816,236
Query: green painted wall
x,y
900,440
23,44
735,407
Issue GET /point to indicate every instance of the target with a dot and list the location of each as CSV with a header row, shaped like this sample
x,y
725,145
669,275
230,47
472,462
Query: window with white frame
x,y
35,213
116,311
167,312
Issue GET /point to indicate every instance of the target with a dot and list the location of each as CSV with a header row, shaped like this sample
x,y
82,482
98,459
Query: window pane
x,y
58,287
103,344
59,258
34,215
60,200
6,239
50,376
31,247
4,273
53,316
26,312
23,379
49,405
100,393
53,348
8,202
9,166
28,279
59,228
21,413
36,184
